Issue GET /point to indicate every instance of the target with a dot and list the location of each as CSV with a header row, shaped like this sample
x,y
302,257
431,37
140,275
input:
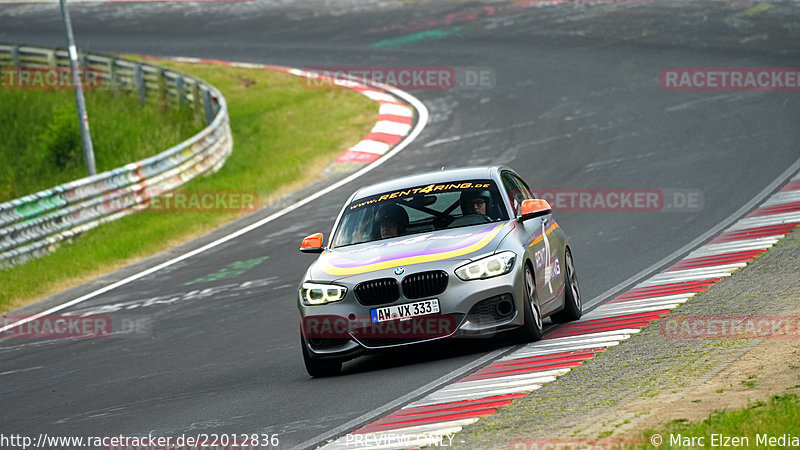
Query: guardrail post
x,y
162,88
196,100
179,92
15,55
112,74
140,87
52,61
208,107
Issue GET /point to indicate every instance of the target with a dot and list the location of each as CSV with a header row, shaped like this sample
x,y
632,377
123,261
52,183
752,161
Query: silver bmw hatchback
x,y
461,252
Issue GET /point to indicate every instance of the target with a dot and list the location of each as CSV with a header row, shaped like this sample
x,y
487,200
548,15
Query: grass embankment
x,y
284,134
41,145
749,427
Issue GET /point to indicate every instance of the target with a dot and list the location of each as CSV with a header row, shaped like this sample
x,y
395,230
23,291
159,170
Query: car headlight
x,y
319,294
491,266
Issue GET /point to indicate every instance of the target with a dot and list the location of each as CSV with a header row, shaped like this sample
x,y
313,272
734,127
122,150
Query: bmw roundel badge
x,y
399,271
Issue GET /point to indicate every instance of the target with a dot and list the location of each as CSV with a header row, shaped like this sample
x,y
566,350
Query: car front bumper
x,y
477,308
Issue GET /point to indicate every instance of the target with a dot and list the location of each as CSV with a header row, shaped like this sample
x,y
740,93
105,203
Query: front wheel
x,y
532,329
573,308
319,367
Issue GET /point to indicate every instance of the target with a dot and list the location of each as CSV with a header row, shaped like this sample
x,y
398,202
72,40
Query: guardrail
x,y
34,225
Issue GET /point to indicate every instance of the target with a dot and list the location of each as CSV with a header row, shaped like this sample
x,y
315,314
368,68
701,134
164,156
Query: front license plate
x,y
404,311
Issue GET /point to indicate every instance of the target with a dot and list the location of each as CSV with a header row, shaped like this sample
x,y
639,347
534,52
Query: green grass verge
x,y
284,134
41,145
779,416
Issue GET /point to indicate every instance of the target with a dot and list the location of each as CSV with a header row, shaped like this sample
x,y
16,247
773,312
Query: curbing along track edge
x,y
434,419
396,119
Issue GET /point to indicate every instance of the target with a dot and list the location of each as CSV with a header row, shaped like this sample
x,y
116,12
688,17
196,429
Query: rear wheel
x,y
573,308
532,329
319,367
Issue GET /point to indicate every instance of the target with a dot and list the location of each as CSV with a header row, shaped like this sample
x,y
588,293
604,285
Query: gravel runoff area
x,y
599,398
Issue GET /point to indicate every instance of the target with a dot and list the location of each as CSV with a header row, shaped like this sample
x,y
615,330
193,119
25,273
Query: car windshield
x,y
420,209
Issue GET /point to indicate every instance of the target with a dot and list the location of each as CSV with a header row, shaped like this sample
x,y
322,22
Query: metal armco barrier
x,y
34,225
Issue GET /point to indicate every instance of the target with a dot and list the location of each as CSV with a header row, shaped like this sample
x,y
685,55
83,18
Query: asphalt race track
x,y
575,103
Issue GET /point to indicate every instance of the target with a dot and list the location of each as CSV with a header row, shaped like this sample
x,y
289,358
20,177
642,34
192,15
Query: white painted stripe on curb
x,y
610,315
368,146
589,335
607,314
440,397
732,247
685,278
520,377
783,197
396,110
566,348
701,273
766,220
499,382
388,127
664,298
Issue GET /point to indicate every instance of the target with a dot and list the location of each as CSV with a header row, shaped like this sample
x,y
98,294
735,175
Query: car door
x,y
541,248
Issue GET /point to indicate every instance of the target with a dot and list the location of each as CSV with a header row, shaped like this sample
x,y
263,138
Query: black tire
x,y
319,368
532,329
573,307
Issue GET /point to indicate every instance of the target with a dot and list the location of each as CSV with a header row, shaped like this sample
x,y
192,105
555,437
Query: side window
x,y
515,192
525,189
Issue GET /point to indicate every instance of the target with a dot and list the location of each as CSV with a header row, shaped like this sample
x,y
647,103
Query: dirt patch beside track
x,y
770,368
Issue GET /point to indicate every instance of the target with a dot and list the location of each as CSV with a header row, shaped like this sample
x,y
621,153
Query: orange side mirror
x,y
534,207
312,243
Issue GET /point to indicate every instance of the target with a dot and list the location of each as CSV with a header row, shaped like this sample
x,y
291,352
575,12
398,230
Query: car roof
x,y
439,176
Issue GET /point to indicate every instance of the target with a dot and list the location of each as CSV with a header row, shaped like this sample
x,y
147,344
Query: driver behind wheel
x,y
474,202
